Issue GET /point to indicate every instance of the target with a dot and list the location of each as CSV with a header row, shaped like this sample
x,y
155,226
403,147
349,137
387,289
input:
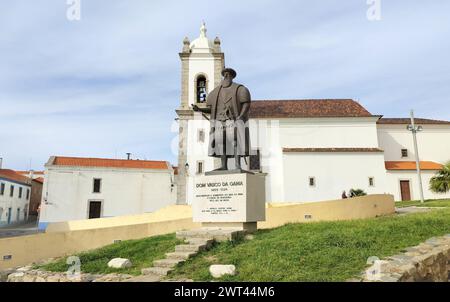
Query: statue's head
x,y
228,75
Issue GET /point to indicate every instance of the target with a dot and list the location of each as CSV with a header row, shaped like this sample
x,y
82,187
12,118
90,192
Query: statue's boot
x,y
224,164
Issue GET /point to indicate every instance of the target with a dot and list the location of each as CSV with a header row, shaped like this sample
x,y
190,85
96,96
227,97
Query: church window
x,y
200,167
404,152
201,135
371,182
97,185
312,181
201,89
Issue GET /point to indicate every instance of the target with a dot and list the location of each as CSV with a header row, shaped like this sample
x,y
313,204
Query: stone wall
x,y
429,261
27,274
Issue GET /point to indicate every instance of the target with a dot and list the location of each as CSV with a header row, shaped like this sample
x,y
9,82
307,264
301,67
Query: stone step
x,y
180,255
158,271
170,263
216,234
190,248
200,241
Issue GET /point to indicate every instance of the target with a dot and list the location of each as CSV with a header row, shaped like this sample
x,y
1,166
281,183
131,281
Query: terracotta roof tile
x,y
307,108
328,150
39,179
28,172
14,176
110,163
411,165
407,121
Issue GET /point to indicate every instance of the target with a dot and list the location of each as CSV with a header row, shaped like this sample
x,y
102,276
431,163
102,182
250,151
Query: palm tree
x,y
440,183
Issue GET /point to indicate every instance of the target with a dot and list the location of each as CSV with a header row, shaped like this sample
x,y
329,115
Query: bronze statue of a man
x,y
229,105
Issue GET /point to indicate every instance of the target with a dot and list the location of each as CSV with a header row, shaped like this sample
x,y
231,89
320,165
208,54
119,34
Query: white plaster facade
x,y
394,178
13,205
287,174
68,191
433,142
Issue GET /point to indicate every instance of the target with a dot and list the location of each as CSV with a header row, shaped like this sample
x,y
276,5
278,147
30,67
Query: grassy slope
x,y
324,251
428,203
140,252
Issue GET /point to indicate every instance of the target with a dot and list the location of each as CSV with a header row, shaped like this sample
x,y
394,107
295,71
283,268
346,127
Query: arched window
x,y
201,89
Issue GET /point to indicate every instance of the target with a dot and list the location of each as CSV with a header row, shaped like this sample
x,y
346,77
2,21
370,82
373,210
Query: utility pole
x,y
414,129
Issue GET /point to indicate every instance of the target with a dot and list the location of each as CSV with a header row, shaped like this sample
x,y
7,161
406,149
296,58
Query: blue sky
x,y
109,83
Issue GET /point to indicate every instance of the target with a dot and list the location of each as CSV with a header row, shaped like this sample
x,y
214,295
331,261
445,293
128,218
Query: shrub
x,y
357,192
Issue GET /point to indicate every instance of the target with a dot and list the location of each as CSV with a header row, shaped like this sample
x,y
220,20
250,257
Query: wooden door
x,y
405,190
95,208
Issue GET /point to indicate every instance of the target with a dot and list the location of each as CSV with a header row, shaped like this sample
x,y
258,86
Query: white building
x,y
310,150
15,191
86,188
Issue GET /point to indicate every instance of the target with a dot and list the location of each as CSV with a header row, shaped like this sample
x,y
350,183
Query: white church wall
x,y
433,142
67,192
329,132
333,173
394,178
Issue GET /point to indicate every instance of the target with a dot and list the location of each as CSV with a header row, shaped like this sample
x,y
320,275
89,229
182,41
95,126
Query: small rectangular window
x,y
371,182
97,185
2,189
404,152
28,194
20,192
199,167
11,191
312,181
201,136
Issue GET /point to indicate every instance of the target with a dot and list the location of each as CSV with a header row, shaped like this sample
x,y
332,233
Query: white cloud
x,y
109,84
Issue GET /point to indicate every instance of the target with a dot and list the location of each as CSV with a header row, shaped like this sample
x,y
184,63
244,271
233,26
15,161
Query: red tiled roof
x,y
14,176
307,108
411,165
110,163
407,121
28,172
39,179
295,150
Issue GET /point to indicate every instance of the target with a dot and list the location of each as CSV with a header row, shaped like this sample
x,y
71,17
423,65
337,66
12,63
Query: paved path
x,y
413,209
20,229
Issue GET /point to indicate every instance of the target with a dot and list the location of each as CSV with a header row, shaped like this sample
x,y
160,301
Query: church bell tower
x,y
202,61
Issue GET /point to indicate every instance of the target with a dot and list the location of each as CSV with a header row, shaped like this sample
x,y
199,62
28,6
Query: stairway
x,y
196,241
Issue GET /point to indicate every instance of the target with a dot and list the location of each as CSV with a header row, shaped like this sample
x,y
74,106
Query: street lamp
x,y
414,129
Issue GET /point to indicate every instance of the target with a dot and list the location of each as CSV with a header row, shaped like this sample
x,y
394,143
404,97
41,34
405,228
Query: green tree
x,y
440,183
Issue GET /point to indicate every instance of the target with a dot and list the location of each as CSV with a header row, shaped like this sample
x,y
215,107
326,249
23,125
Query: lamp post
x,y
414,129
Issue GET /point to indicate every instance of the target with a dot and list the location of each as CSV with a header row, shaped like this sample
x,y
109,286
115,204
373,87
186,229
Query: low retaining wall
x,y
27,249
429,261
342,209
76,236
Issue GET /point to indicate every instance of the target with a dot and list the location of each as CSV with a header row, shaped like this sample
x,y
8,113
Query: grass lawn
x,y
427,203
140,252
323,251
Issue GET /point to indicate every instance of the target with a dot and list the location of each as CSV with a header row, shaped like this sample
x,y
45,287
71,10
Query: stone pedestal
x,y
234,201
